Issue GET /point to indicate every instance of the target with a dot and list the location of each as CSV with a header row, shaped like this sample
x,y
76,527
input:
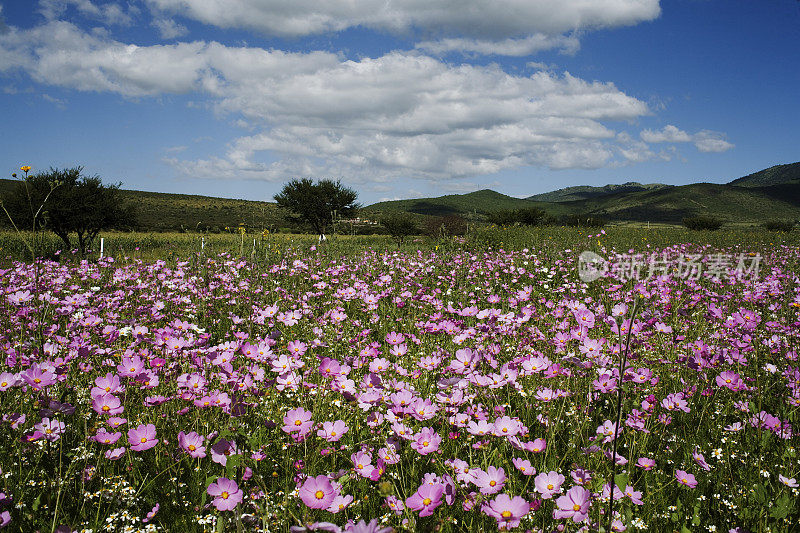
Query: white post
x,y
202,243
102,242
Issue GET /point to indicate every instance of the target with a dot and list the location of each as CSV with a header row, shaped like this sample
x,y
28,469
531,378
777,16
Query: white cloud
x,y
400,115
668,133
492,19
526,46
711,141
704,141
169,29
505,27
109,12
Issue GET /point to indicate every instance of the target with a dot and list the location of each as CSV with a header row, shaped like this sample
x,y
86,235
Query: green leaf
x,y
760,494
621,481
685,529
782,508
36,503
233,462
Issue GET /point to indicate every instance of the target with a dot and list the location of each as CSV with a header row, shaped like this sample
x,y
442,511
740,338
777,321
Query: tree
x,y
531,216
399,227
318,204
71,203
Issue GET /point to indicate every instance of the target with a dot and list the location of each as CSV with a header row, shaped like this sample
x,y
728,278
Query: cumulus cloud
x,y
668,133
704,141
110,13
401,114
711,141
568,44
506,27
169,29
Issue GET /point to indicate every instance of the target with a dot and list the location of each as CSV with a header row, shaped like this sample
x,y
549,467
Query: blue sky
x,y
399,98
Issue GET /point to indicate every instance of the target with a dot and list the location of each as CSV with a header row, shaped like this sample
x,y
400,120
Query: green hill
x,y
584,192
473,205
736,205
181,212
770,176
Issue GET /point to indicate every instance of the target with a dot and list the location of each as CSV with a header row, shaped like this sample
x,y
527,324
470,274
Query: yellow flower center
x,y
143,439
492,483
506,514
106,408
426,501
224,495
425,443
37,380
576,507
298,423
319,495
192,447
550,486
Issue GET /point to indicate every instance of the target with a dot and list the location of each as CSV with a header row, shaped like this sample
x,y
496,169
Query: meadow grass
x,y
459,384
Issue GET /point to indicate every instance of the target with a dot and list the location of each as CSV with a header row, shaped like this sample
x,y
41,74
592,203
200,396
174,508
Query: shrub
x,y
530,216
399,227
584,221
702,222
779,225
446,226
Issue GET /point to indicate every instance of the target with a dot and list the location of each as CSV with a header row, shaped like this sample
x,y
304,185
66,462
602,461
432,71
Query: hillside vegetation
x,y
770,194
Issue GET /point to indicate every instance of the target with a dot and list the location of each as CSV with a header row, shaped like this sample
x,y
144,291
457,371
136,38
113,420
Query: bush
x,y
701,223
446,226
399,227
530,216
779,225
584,221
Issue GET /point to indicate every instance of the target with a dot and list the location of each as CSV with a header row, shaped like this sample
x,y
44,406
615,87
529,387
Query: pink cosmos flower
x,y
142,438
645,463
104,437
38,377
131,366
114,454
317,492
297,420
52,429
634,495
505,426
362,461
574,504
107,404
226,492
108,384
730,380
700,460
332,431
507,510
426,499
192,443
426,441
548,484
789,482
340,503
685,478
608,430
490,482
524,466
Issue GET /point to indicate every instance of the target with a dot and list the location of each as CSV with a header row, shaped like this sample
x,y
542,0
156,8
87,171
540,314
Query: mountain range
x,y
770,194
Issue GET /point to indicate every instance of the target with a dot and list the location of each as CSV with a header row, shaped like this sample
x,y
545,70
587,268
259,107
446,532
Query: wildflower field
x,y
461,388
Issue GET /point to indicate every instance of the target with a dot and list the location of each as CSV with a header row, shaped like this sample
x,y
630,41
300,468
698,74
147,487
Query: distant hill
x,y
776,175
584,192
470,204
773,193
158,211
735,205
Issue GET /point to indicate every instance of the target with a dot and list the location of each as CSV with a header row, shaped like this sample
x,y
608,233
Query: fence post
x,y
102,242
